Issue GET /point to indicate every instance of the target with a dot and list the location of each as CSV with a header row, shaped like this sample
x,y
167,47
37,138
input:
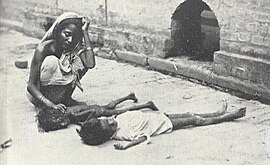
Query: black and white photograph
x,y
136,82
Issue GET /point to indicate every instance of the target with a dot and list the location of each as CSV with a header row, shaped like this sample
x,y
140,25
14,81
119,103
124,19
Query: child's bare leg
x,y
215,114
95,113
114,103
180,115
182,122
199,121
106,113
205,115
226,117
148,104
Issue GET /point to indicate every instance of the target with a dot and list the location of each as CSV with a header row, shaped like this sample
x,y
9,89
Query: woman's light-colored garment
x,y
64,70
135,124
51,73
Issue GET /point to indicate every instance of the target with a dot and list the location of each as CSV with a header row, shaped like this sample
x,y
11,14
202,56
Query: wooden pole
x,y
56,4
106,13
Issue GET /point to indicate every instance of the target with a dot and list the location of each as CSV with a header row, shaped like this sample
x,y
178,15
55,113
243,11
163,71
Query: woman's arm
x,y
34,77
87,56
121,146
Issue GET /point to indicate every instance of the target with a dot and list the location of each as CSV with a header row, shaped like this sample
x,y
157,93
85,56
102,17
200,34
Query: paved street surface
x,y
242,142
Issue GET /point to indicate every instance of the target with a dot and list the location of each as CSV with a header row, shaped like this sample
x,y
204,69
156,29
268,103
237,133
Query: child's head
x,y
51,119
98,131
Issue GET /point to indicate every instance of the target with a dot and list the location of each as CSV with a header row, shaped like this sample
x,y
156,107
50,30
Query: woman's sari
x,y
65,70
69,63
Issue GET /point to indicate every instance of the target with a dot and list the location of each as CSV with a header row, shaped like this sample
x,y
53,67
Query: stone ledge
x,y
18,26
104,54
181,68
132,57
245,68
209,77
262,93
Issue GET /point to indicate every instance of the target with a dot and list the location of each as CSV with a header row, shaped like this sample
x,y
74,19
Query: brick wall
x,y
143,26
244,24
245,41
245,27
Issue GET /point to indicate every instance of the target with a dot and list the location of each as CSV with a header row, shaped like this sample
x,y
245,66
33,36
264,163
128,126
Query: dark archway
x,y
195,31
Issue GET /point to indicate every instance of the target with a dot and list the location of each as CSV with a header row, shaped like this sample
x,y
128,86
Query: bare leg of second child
x,y
80,113
111,105
107,113
86,115
148,104
179,123
114,103
205,115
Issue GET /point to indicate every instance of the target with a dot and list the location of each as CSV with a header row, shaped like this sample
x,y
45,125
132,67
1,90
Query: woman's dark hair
x,y
92,133
75,21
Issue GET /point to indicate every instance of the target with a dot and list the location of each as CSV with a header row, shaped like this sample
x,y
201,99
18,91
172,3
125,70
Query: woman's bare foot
x,y
152,105
132,96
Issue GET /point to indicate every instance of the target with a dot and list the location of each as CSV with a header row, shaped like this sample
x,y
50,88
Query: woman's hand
x,y
86,23
60,107
50,104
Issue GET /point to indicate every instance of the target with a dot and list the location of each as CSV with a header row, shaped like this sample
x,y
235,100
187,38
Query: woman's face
x,y
68,37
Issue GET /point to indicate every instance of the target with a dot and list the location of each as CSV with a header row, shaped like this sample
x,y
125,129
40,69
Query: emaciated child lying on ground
x,y
138,126
52,119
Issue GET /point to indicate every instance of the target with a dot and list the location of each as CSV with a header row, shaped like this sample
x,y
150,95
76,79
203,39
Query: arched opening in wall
x,y
195,31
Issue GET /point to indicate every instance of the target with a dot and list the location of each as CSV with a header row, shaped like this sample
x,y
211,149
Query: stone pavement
x,y
240,142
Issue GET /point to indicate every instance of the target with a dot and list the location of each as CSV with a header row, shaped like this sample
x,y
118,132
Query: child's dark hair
x,y
51,119
92,134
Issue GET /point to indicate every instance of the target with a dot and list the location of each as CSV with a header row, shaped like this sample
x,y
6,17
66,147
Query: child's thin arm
x,y
120,146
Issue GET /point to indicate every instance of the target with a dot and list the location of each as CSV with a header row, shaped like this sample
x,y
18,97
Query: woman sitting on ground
x,y
137,127
61,59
